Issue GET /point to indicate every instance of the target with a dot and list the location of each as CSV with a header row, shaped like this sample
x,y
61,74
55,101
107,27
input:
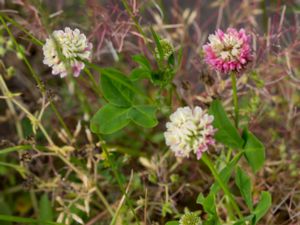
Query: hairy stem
x,y
138,27
104,201
214,172
117,176
235,99
95,85
35,76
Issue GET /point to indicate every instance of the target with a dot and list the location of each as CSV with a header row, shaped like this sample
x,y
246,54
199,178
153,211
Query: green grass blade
x,y
26,220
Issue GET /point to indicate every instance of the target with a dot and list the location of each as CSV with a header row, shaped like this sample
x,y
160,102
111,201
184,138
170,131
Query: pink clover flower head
x,y
228,51
65,50
189,131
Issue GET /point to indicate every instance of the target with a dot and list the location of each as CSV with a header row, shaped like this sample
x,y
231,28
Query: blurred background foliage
x,y
161,187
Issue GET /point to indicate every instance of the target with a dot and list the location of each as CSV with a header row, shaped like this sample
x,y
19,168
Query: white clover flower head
x,y
73,48
190,131
190,219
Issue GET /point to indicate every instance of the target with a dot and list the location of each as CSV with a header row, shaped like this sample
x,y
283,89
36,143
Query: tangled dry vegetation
x,y
50,156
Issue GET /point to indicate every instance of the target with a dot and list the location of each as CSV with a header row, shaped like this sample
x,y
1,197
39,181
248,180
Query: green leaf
x,y
27,127
179,57
262,207
158,45
212,220
244,220
109,119
143,115
140,73
209,207
226,173
208,203
142,61
114,91
172,223
254,151
118,77
243,182
20,169
171,60
14,148
45,213
4,209
166,209
226,132
157,77
25,220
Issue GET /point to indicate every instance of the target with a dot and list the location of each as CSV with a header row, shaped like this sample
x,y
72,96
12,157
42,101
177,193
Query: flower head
x,y
189,131
64,51
167,49
190,219
228,51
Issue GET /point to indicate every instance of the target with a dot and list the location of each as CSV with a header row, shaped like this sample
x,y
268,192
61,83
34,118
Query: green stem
x,y
104,201
117,176
35,76
95,85
229,155
170,90
229,209
18,168
179,98
34,201
82,97
235,99
61,120
11,107
19,26
138,27
21,148
15,148
214,172
80,174
26,220
115,218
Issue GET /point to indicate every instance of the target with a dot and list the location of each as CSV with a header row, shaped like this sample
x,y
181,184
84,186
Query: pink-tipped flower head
x,y
228,51
189,131
73,49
